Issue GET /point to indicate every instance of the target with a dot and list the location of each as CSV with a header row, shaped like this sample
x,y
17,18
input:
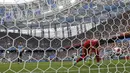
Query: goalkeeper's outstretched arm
x,y
114,38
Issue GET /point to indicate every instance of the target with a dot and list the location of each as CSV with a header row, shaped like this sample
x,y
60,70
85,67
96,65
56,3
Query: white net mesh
x,y
48,36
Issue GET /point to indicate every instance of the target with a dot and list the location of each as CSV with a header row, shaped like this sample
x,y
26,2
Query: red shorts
x,y
83,56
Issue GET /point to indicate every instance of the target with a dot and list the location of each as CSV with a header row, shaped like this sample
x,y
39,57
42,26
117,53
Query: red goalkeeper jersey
x,y
89,47
91,43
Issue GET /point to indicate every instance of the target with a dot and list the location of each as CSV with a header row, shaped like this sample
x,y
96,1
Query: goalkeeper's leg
x,y
97,55
83,56
80,59
96,51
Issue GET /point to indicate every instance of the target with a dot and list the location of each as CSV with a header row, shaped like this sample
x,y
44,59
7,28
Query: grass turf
x,y
114,66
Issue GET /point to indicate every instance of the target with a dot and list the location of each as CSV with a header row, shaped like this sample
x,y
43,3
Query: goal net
x,y
50,36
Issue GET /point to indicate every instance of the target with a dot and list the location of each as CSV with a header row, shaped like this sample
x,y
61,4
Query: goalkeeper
x,y
91,45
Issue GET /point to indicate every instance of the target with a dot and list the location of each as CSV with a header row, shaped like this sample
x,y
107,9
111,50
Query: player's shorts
x,y
83,56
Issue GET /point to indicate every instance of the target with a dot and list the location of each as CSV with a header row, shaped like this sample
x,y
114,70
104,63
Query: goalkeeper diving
x,y
93,45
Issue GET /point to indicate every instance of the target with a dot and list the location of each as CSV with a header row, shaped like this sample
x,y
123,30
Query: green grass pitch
x,y
107,66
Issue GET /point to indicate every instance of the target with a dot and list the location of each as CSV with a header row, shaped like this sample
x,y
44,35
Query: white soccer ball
x,y
117,50
25,51
7,51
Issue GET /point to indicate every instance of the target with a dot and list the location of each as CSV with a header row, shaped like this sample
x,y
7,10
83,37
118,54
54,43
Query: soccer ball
x,y
25,51
117,50
7,51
